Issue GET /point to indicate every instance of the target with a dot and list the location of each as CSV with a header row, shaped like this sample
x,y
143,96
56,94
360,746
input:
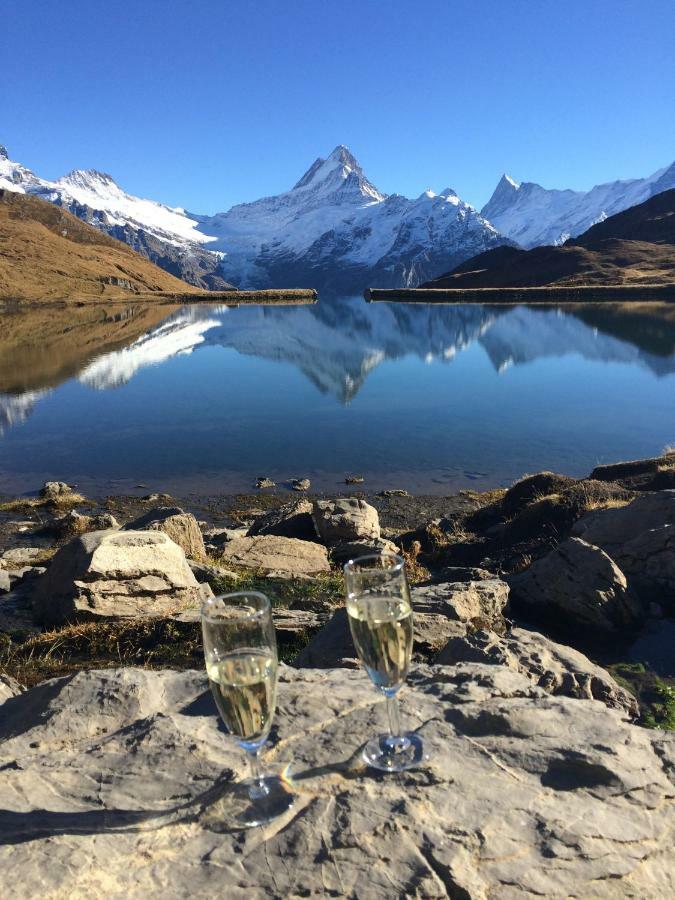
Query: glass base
x,y
247,804
394,754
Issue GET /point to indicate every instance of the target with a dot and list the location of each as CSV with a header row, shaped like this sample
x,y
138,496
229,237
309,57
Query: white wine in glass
x,y
240,653
381,623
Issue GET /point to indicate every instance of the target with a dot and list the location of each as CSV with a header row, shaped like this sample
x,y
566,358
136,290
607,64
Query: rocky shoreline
x,y
528,604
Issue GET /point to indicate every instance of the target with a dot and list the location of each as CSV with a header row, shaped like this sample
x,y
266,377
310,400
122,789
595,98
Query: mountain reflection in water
x,y
362,364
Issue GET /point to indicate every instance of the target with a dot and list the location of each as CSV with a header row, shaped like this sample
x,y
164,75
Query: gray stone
x,y
394,492
270,553
74,522
206,574
558,669
265,482
464,601
180,526
342,553
578,584
349,519
55,490
19,556
301,484
435,622
118,575
9,687
640,537
291,520
5,583
117,783
611,529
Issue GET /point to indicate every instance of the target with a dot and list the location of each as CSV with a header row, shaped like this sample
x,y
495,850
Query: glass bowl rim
x,y
350,566
209,604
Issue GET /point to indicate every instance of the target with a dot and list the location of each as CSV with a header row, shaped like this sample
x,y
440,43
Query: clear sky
x,y
207,103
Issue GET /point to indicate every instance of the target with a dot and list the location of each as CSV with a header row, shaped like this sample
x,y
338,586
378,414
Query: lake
x,y
428,398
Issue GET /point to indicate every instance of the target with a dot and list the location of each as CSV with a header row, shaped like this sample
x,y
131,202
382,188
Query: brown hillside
x,y
48,254
634,247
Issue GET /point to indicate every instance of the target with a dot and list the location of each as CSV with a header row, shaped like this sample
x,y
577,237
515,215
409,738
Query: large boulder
x,y
55,490
180,526
523,795
270,553
291,520
340,521
440,612
611,529
533,487
640,537
333,645
578,585
116,575
556,668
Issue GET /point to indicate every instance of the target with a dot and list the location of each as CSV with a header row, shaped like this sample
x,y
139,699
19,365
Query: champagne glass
x,y
240,651
381,623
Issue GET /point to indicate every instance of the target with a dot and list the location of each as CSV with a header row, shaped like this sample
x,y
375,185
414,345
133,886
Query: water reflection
x,y
337,345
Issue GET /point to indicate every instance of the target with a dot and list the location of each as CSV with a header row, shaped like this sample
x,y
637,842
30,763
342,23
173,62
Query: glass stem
x,y
258,787
394,718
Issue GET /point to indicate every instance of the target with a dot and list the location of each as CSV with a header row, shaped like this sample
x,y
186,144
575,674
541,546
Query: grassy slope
x,y
48,254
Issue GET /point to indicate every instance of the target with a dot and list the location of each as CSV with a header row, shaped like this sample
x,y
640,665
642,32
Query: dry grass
x,y
63,502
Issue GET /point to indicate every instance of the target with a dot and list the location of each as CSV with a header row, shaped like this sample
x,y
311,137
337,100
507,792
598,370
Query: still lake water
x,y
428,398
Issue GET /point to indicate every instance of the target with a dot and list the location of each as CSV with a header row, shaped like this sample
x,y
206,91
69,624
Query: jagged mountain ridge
x,y
333,230
532,215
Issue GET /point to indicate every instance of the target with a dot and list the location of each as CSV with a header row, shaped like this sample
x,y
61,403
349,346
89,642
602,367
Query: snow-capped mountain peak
x,y
3,152
340,172
89,179
532,215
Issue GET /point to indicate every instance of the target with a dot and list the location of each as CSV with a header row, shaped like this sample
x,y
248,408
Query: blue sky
x,y
208,103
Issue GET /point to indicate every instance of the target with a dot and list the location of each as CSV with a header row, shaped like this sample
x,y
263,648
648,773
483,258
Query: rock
x,y
354,479
9,687
578,585
206,574
524,794
612,528
264,482
462,573
55,490
464,601
289,624
216,538
290,520
14,577
635,469
156,498
558,669
301,484
271,553
73,523
116,575
19,556
341,521
640,537
5,583
333,645
394,492
181,527
532,488
342,553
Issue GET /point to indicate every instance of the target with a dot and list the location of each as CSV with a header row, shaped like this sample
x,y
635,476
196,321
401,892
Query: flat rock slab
x,y
272,553
109,780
